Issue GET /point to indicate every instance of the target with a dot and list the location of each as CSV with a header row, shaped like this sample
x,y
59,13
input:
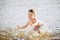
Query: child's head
x,y
31,14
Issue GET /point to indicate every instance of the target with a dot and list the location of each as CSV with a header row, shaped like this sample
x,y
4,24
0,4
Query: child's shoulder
x,y
39,21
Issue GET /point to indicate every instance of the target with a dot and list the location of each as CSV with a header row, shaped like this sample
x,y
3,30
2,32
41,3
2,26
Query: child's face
x,y
31,15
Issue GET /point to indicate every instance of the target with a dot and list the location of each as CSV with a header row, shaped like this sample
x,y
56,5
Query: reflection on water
x,y
6,34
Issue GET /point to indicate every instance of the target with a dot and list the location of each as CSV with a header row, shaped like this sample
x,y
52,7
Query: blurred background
x,y
13,12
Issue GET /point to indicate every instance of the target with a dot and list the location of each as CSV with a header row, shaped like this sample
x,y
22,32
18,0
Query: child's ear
x,y
34,15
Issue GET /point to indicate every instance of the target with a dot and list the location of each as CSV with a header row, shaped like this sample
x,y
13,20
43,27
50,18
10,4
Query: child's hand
x,y
17,27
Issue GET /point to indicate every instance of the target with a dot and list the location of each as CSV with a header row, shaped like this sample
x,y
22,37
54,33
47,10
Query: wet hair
x,y
31,10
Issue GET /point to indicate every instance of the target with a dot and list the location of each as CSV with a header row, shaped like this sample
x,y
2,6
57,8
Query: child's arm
x,y
23,27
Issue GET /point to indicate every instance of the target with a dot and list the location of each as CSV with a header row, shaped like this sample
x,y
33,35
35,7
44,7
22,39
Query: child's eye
x,y
31,14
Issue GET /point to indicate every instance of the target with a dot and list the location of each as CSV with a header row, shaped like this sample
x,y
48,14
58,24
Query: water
x,y
13,12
